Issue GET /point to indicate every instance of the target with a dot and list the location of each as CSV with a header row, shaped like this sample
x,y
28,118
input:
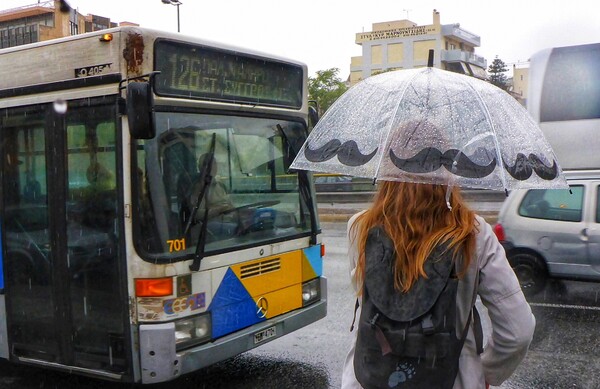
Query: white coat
x,y
511,319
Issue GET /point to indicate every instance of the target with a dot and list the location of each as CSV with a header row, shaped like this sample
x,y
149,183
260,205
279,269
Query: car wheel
x,y
530,272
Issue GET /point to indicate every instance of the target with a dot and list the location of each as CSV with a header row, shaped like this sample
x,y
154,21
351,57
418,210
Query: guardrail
x,y
354,196
340,206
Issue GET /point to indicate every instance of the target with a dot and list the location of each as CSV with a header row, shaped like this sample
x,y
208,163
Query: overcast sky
x,y
321,33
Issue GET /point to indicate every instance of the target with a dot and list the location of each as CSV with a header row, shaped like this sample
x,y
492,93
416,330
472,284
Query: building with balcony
x,y
46,20
520,82
403,44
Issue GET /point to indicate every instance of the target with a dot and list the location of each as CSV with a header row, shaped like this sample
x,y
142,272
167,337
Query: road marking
x,y
567,306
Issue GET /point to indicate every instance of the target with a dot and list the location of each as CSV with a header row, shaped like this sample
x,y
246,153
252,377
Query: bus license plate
x,y
265,334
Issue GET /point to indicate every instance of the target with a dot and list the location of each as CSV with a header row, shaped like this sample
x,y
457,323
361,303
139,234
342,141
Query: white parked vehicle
x,y
553,233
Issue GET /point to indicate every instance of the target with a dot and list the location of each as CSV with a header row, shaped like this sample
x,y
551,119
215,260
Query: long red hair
x,y
416,217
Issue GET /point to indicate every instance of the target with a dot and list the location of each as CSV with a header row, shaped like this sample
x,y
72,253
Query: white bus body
x,y
564,98
103,270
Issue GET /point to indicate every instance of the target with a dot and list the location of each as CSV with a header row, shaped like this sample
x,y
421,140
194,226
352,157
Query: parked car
x,y
553,233
333,183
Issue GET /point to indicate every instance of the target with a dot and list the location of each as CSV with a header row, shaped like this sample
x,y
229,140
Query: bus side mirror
x,y
139,110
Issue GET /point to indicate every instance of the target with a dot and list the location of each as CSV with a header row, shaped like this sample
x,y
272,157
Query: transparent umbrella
x,y
432,126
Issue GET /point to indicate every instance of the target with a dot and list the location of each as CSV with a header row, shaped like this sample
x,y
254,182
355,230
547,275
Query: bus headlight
x,y
311,291
192,330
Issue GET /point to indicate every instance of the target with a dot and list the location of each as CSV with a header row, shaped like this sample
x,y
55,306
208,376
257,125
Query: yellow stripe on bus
x,y
271,273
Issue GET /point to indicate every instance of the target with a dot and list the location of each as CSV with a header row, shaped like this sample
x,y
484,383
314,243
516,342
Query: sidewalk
x,y
341,212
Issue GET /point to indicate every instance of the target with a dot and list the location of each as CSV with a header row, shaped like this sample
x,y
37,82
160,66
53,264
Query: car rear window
x,y
553,204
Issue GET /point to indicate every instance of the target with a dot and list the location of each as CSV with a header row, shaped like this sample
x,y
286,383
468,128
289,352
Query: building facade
x,y
46,20
403,44
520,82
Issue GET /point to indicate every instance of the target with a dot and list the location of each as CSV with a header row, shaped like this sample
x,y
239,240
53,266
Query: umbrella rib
x,y
486,112
392,118
422,107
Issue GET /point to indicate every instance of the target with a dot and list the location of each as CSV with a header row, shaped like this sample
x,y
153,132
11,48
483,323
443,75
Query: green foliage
x,y
384,71
497,77
325,88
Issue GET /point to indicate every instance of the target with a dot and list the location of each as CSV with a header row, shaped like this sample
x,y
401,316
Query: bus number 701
x,y
176,244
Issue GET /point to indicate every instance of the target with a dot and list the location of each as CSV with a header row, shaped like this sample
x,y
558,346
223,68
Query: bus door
x,y
62,263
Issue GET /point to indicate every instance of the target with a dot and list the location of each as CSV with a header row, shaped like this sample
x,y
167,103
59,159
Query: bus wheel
x,y
530,271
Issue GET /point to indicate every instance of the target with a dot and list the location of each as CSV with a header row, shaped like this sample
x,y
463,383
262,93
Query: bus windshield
x,y
247,197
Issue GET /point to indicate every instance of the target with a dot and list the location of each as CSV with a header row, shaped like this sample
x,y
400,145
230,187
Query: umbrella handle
x,y
448,193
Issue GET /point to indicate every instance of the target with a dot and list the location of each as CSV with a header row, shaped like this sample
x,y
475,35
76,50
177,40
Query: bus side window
x,y
99,197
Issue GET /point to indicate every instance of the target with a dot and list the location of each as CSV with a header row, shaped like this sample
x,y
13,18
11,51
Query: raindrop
x,y
60,106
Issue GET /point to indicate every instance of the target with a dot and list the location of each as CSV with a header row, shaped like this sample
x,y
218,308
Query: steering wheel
x,y
246,224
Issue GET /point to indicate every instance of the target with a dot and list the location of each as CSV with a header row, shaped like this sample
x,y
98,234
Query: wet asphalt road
x,y
309,358
564,352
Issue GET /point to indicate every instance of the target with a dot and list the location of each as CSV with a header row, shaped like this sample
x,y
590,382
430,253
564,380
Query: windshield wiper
x,y
205,180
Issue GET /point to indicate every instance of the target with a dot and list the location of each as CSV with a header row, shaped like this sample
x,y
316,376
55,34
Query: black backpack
x,y
408,340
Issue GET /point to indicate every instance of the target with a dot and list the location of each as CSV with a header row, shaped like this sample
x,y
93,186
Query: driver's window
x,y
200,184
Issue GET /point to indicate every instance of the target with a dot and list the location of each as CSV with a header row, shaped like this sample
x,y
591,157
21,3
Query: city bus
x,y
150,225
564,98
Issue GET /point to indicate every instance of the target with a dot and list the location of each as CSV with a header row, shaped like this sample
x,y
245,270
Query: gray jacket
x,y
511,319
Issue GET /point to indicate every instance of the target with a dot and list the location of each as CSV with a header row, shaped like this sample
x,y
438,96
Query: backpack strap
x,y
478,331
474,313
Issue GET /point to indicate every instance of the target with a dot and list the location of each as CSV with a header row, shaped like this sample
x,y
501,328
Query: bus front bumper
x,y
160,362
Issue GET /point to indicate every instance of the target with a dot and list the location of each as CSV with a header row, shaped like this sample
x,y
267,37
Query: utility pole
x,y
176,3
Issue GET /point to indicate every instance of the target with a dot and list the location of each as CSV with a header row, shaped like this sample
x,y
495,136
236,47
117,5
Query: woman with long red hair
x,y
418,218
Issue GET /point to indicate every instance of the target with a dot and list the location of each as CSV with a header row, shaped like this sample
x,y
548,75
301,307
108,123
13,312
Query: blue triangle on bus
x,y
313,255
232,307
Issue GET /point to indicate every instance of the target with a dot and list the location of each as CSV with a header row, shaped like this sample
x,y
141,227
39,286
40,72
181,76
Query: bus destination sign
x,y
201,72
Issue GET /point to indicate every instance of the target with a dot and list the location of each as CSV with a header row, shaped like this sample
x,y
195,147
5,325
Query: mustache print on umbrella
x,y
348,153
525,166
431,159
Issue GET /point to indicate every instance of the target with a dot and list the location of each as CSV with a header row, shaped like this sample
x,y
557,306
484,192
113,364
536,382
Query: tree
x,y
497,76
325,88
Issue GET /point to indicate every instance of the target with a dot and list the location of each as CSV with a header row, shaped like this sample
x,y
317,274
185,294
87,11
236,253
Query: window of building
x,y
376,54
395,52
98,26
74,28
421,49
